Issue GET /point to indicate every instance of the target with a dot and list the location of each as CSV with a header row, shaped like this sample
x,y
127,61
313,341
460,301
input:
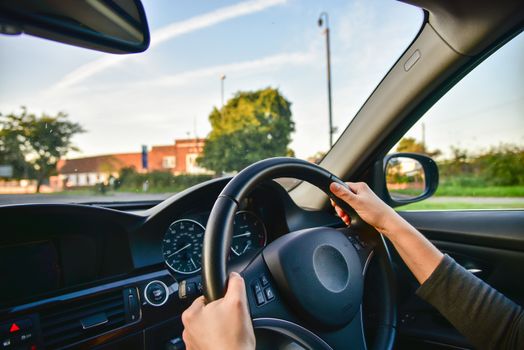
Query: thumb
x,y
342,192
236,288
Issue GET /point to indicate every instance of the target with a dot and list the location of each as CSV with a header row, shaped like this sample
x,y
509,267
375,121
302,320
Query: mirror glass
x,y
405,178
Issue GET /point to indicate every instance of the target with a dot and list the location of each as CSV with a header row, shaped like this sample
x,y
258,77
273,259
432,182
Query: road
x,y
78,198
133,197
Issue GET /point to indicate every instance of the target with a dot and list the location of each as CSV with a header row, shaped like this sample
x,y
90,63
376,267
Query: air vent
x,y
66,324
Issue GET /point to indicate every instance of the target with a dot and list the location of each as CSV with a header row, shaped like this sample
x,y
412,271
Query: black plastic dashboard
x,y
81,276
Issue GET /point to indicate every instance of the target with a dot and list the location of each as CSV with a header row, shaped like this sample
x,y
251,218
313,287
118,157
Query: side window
x,y
475,133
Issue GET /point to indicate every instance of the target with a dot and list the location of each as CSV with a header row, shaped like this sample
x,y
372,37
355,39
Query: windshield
x,y
222,85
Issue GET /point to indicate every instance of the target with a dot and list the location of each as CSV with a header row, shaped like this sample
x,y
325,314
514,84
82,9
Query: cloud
x,y
166,33
252,66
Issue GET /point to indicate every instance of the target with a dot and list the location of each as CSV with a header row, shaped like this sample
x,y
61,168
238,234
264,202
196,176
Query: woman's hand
x,y
221,324
418,253
366,203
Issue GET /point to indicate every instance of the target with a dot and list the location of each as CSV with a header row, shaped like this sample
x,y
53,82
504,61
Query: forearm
x,y
418,253
486,317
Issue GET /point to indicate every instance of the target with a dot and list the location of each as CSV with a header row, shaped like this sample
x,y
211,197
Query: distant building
x,y
179,158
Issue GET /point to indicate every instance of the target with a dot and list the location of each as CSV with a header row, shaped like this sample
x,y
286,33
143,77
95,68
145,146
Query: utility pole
x,y
323,21
222,78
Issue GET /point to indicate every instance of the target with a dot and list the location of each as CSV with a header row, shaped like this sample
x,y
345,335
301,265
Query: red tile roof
x,y
105,163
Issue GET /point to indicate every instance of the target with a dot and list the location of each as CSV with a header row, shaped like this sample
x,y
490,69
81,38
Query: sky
x,y
168,92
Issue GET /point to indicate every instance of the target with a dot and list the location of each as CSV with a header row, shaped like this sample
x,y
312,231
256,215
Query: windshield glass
x,y
222,85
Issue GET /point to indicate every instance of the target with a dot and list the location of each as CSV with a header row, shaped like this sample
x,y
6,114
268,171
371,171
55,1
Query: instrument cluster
x,y
182,242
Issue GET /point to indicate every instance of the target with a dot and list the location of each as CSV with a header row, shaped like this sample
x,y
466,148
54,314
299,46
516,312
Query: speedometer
x,y
249,233
182,246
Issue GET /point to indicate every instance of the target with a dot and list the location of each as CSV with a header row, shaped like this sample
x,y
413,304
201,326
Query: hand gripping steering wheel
x,y
307,285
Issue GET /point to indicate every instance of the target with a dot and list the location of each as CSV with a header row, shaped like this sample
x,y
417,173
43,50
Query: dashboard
x,y
87,276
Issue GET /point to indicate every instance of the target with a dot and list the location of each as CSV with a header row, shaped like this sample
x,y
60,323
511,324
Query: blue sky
x,y
168,92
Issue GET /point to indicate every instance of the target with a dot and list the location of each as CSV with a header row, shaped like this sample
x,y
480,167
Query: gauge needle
x,y
193,263
247,234
248,244
178,251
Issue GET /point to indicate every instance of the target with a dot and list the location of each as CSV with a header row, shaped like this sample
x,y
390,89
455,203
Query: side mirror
x,y
409,178
103,25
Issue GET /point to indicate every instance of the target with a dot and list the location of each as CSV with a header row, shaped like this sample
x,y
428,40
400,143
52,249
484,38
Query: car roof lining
x,y
398,95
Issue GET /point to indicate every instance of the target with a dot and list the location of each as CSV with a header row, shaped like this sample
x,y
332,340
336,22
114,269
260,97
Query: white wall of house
x,y
85,179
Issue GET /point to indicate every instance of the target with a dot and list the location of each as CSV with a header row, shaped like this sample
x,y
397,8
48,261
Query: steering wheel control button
x,y
269,294
264,280
262,295
260,298
156,293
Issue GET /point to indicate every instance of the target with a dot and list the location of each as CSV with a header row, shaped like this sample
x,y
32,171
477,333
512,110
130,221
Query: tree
x,y
37,142
11,154
410,144
250,127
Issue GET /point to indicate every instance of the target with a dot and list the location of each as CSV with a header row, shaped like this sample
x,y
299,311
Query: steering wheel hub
x,y
331,269
319,273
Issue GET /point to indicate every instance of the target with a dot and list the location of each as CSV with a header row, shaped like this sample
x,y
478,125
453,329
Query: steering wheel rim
x,y
217,239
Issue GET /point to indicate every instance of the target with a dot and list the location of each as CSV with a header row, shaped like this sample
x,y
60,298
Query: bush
x,y
500,166
503,166
157,181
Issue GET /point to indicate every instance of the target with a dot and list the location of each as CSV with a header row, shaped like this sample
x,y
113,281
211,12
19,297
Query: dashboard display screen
x,y
27,270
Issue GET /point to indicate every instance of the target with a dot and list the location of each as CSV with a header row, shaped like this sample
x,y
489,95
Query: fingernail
x,y
235,274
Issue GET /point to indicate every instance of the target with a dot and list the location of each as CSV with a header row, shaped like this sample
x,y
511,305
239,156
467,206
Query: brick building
x,y
179,158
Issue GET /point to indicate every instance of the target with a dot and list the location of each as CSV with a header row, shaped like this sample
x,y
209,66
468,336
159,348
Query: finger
x,y
197,305
236,288
342,215
339,211
342,192
356,187
186,338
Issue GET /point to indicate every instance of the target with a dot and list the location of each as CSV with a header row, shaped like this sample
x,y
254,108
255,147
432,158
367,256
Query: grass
x,y
428,205
445,190
486,191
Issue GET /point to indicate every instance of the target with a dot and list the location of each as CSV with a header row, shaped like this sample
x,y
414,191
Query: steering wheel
x,y
307,285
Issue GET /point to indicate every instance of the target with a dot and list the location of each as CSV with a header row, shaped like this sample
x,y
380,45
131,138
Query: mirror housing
x,y
412,177
114,26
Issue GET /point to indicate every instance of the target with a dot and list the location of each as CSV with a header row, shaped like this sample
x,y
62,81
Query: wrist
x,y
391,223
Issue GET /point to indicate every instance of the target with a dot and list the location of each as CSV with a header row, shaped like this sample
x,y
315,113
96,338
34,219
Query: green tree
x,y
250,127
410,144
39,141
11,154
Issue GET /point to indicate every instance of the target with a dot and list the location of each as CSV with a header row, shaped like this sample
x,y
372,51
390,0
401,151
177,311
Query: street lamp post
x,y
222,78
323,21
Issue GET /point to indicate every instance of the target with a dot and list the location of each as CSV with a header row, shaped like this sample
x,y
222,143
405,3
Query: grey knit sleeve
x,y
484,316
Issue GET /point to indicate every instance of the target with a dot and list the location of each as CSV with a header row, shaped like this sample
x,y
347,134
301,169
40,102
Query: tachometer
x,y
249,233
182,246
